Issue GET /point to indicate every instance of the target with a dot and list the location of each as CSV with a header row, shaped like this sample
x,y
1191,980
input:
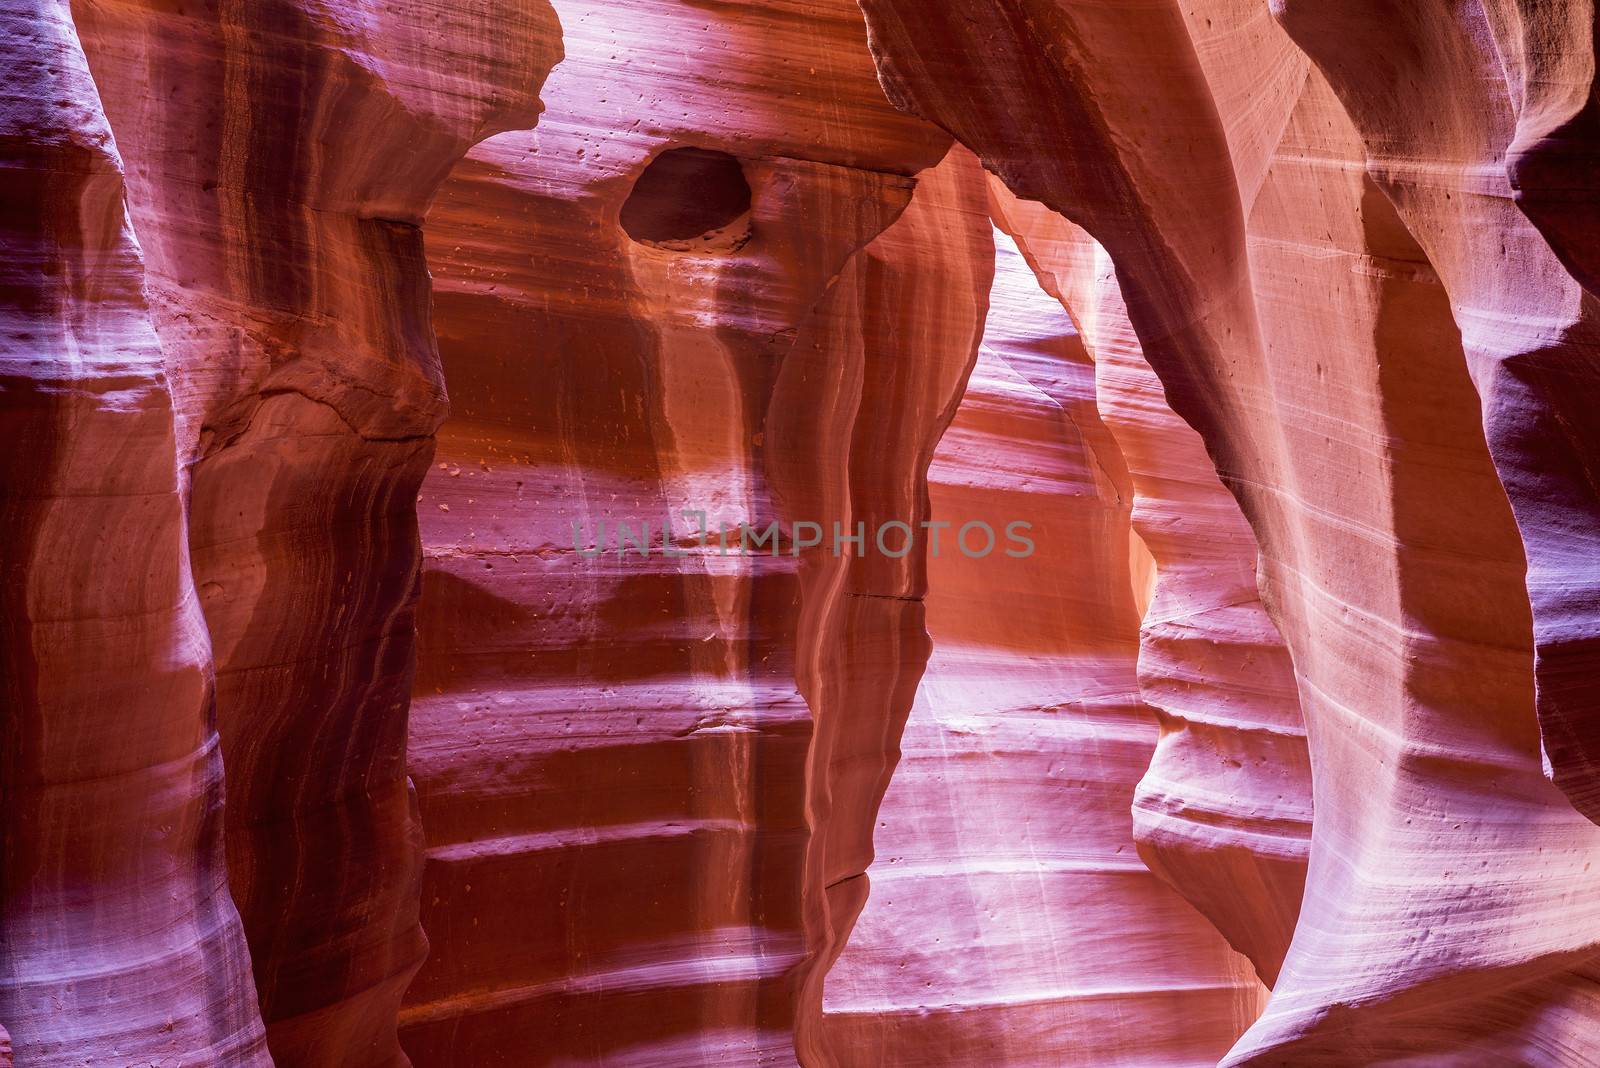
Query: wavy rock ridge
x,y
343,344
1287,296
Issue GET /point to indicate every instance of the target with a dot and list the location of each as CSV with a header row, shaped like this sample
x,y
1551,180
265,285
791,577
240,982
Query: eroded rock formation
x,y
1275,320
647,782
1224,811
118,940
1006,840
281,156
1350,433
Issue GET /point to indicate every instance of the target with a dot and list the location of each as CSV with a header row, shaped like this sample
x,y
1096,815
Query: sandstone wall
x,y
327,742
1306,321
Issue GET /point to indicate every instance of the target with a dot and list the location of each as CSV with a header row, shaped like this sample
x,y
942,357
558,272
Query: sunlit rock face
x,y
647,782
1223,812
345,346
1005,843
1321,317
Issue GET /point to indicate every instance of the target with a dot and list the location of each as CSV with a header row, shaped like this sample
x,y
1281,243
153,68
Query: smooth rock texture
x,y
1223,813
119,943
1006,840
280,157
1299,326
1497,132
327,741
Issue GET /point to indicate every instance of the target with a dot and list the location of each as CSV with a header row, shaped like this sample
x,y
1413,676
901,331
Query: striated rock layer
x,y
279,159
647,782
1301,328
1478,122
1006,841
1223,812
1285,343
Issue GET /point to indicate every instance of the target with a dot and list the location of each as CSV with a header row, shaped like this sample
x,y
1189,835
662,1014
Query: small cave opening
x,y
689,199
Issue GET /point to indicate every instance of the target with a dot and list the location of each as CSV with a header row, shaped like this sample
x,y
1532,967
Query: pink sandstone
x,y
1393,575
1006,840
1223,812
326,743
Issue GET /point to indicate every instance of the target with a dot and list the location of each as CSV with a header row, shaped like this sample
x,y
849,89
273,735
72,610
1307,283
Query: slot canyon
x,y
849,533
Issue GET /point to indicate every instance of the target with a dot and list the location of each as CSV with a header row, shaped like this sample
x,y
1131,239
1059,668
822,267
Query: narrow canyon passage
x,y
1302,329
468,585
1005,843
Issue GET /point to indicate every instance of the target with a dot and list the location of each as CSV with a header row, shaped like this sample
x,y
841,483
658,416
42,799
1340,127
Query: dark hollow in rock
x,y
685,193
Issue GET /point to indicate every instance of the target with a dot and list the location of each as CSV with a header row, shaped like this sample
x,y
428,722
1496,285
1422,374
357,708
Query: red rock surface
x,y
1276,319
647,783
280,158
118,940
1223,812
1005,844
1302,329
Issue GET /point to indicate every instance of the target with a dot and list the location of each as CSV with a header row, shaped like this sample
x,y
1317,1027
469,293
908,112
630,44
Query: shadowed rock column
x,y
282,154
118,941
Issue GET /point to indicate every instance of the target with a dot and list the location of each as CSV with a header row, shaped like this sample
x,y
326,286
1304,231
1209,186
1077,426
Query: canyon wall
x,y
118,938
384,382
280,158
647,782
1301,326
1006,840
